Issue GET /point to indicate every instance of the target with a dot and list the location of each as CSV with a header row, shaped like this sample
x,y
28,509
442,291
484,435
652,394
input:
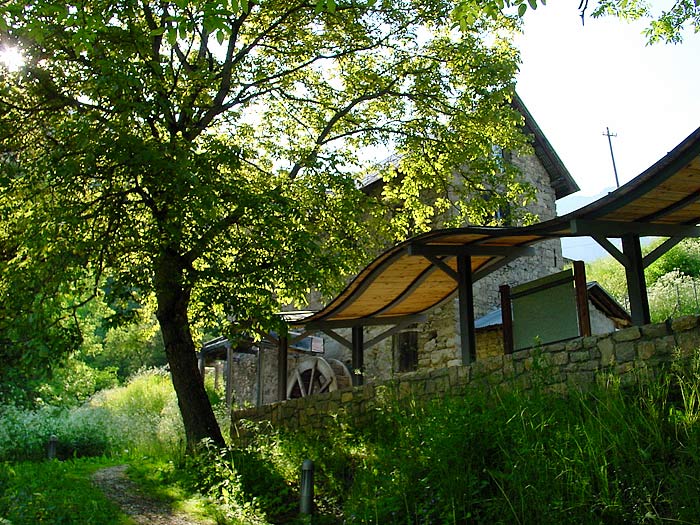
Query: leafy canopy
x,y
232,135
666,25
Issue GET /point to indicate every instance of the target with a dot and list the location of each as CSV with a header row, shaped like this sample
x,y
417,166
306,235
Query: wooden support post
x,y
581,289
259,396
636,284
229,376
283,350
202,365
358,355
466,309
507,319
217,375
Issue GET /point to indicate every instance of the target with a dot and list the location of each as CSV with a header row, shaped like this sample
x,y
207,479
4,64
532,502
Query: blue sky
x,y
577,79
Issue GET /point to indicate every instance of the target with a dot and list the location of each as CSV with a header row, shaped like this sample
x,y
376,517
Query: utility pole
x,y
609,135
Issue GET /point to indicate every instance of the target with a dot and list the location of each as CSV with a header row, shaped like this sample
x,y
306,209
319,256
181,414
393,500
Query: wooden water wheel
x,y
316,375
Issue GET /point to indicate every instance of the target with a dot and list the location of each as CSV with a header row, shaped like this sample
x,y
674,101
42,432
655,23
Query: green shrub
x,y
674,295
141,417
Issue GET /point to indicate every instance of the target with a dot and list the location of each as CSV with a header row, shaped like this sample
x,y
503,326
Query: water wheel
x,y
316,375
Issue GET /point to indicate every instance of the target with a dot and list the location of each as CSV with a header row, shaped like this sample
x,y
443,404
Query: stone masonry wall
x,y
628,354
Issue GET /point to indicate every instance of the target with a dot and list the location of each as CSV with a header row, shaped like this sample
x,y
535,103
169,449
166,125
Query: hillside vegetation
x,y
673,281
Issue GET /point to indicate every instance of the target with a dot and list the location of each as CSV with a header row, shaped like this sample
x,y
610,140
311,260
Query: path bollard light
x,y
306,505
51,449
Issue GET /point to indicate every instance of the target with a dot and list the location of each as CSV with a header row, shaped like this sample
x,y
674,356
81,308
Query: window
x,y
407,350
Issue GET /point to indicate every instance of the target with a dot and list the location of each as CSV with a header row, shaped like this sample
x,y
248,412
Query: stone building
x,y
435,343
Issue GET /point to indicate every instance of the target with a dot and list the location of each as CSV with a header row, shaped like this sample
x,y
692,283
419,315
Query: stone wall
x,y
628,354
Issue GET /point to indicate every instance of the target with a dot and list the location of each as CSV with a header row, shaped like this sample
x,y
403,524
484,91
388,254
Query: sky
x,y
576,80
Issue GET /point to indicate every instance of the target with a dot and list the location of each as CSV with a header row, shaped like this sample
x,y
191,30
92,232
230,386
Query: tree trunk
x,y
173,299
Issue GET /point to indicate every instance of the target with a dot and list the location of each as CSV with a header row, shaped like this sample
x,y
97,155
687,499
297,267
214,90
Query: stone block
x,y
346,396
645,350
520,355
665,346
687,342
628,334
624,368
580,378
578,357
684,323
554,348
591,364
607,351
625,352
559,389
590,341
655,330
495,378
574,345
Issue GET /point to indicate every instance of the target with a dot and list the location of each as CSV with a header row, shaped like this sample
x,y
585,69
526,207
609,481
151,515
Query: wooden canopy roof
x,y
421,273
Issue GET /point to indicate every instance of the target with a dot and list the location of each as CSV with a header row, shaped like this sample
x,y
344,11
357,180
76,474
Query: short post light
x,y
306,504
51,448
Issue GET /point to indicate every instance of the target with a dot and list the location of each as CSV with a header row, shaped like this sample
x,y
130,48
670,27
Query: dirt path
x,y
114,482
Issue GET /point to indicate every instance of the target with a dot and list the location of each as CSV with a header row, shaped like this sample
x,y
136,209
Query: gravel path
x,y
114,482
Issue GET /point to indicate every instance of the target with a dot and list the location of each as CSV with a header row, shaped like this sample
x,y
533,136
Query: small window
x,y
407,351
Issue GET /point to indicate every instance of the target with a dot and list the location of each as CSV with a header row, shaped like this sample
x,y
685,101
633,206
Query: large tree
x,y
208,152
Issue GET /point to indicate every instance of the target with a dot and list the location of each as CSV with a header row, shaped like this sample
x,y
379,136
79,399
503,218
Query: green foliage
x,y
141,417
610,274
210,153
674,295
672,280
55,493
667,26
613,455
73,383
683,258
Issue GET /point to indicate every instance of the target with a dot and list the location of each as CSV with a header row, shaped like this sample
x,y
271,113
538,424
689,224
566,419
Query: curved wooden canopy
x,y
421,273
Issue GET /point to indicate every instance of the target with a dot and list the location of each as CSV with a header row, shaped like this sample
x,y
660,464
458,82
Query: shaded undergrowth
x,y
611,455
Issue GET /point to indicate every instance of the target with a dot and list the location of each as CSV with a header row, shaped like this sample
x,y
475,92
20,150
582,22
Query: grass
x,y
611,455
56,493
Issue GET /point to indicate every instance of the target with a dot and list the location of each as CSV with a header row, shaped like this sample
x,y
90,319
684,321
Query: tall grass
x,y
140,418
53,492
611,455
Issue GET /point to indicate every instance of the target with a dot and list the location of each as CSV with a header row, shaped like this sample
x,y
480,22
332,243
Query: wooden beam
x,y
229,376
282,353
581,289
679,205
358,356
621,228
636,284
387,333
440,263
365,321
437,250
335,335
466,310
496,264
259,379
612,249
660,250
